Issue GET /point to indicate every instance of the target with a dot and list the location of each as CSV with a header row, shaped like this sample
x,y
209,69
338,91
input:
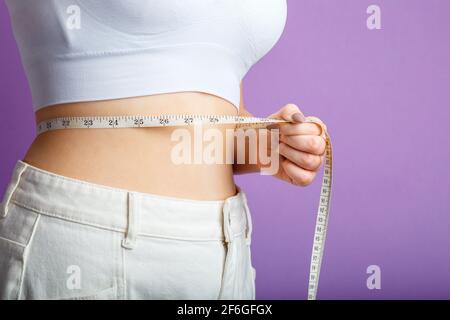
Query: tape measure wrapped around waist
x,y
320,230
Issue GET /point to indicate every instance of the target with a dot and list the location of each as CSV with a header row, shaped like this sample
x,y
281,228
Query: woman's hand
x,y
302,145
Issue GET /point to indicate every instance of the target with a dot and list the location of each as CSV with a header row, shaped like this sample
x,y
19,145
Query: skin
x,y
138,159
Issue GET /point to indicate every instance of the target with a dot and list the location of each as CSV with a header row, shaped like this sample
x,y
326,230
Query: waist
x,y
152,215
136,159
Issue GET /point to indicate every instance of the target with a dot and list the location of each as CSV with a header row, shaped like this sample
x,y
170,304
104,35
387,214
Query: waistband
x,y
130,212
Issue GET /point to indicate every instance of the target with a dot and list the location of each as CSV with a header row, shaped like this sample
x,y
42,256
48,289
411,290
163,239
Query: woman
x,y
107,213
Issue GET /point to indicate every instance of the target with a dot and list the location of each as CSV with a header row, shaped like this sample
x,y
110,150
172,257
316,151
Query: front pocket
x,y
11,269
73,261
16,230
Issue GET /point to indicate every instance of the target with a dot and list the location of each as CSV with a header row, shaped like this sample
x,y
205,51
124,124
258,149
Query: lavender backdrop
x,y
385,97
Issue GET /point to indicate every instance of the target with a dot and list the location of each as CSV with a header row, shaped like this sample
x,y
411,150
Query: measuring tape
x,y
99,122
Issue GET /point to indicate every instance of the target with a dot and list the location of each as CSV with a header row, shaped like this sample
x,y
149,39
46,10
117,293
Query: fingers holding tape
x,y
320,124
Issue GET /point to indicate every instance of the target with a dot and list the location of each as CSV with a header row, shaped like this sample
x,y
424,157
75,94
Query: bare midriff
x,y
134,159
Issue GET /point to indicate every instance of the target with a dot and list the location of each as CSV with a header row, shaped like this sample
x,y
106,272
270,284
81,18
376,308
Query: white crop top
x,y
86,50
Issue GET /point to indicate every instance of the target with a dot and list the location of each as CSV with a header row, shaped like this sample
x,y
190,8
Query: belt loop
x,y
133,221
228,232
22,166
248,237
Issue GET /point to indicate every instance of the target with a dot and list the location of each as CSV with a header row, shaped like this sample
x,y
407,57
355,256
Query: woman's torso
x,y
134,159
77,51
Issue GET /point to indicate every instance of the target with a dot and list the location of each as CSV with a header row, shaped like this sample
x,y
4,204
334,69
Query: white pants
x,y
62,238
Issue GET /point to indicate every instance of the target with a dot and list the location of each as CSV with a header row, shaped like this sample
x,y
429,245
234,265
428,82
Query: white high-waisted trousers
x,y
62,238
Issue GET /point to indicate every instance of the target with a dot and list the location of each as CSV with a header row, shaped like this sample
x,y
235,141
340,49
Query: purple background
x,y
385,97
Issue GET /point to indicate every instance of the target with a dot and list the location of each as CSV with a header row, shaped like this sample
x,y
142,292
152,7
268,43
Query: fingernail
x,y
298,117
273,126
